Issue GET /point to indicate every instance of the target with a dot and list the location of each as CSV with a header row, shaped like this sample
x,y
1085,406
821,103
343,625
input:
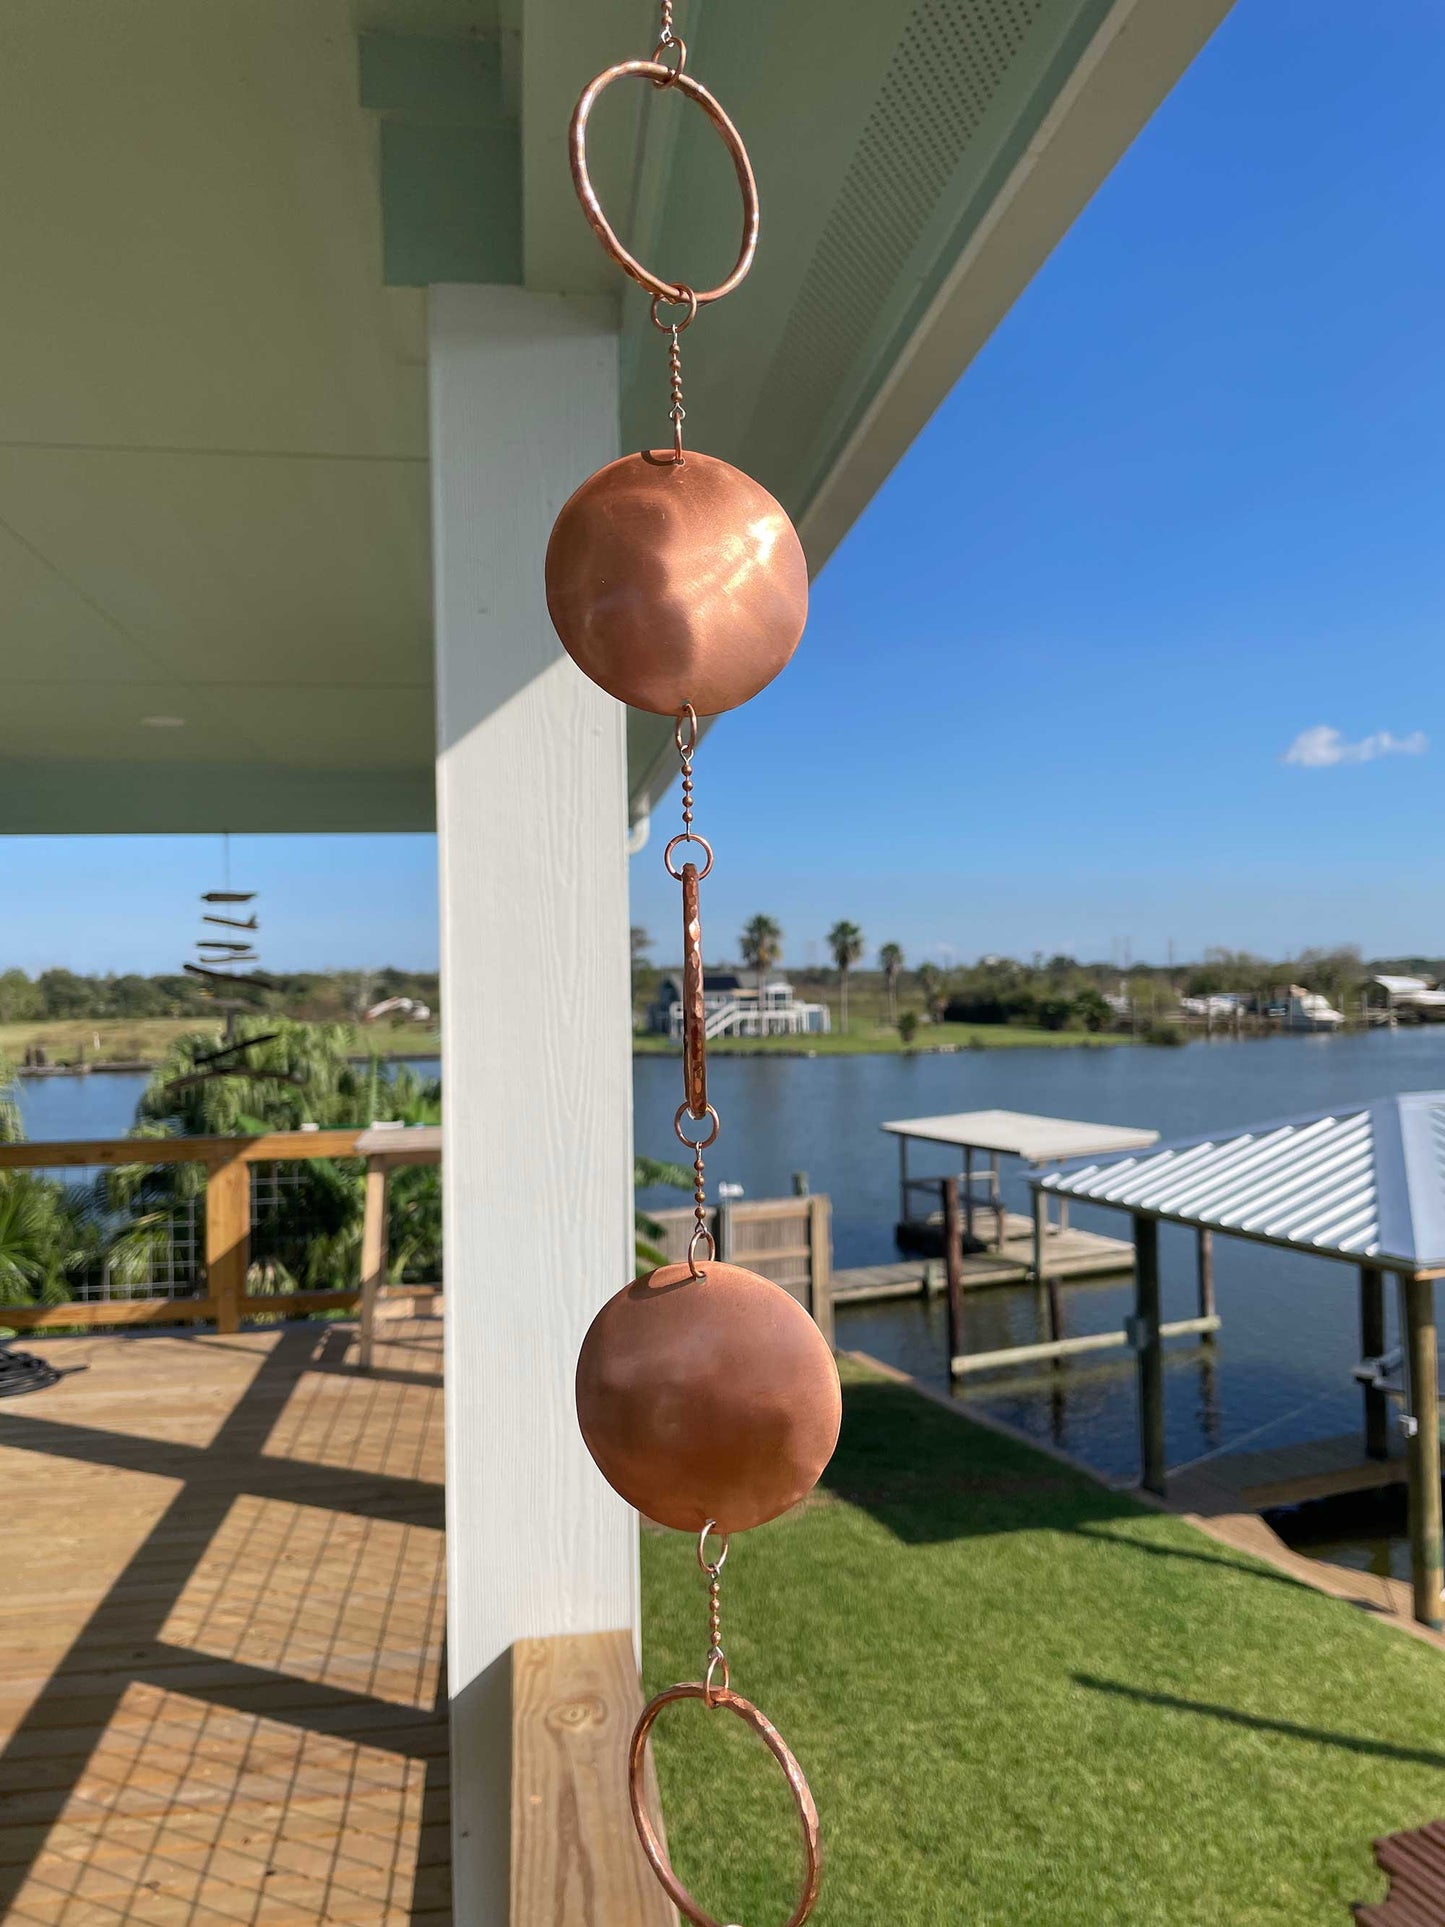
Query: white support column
x,y
536,1054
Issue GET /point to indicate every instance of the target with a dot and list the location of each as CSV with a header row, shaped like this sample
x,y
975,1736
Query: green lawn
x,y
871,1039
1022,1699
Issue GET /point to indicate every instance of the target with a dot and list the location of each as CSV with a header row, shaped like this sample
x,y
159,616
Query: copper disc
x,y
708,1398
673,583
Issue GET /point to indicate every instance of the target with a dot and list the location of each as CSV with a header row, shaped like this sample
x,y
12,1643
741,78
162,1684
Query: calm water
x,y
1280,1371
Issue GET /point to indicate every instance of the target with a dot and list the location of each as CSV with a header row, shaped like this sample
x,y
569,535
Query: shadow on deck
x,y
223,1696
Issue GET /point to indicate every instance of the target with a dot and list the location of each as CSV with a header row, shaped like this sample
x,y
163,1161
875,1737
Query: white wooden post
x,y
536,1052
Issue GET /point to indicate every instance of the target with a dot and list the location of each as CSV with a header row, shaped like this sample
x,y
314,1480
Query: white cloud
x,y
1323,747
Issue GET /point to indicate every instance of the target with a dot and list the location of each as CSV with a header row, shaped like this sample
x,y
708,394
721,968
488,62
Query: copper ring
x,y
694,999
712,1567
686,836
797,1786
697,1144
686,744
672,40
701,1235
685,298
663,76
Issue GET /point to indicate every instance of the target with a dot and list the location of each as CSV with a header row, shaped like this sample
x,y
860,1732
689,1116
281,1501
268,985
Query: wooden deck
x,y
222,1619
1067,1254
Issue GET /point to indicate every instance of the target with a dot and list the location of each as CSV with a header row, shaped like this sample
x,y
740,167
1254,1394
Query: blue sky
x,y
1183,510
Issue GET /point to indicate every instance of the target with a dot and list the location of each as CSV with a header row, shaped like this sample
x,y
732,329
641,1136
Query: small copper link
x,y
694,1002
694,999
715,1655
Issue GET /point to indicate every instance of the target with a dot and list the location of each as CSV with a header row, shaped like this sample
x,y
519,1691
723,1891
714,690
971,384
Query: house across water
x,y
738,1009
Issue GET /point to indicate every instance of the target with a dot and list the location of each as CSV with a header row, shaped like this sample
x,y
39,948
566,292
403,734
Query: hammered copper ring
x,y
682,83
797,1786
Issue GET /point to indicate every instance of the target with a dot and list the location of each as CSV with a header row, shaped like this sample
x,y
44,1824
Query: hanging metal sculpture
x,y
706,1394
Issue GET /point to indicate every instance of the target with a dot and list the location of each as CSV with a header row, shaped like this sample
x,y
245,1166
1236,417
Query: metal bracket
x,y
1409,1424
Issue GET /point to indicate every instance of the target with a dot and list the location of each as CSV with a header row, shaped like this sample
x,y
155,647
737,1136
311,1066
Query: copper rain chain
x,y
706,1394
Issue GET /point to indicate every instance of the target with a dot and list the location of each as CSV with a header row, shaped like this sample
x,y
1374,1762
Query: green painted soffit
x,y
451,157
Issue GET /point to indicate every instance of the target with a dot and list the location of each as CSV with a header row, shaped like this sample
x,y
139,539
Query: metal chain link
x,y
713,1569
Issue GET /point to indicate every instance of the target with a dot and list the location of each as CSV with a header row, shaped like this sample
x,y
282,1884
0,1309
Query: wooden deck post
x,y
1056,1310
1372,1345
228,1239
902,1180
1041,1231
537,1114
953,1271
820,1263
1204,1244
1148,1354
373,1255
996,1199
1426,1533
967,1190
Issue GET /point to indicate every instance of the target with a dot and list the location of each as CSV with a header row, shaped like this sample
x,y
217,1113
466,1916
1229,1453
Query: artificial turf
x,y
1022,1698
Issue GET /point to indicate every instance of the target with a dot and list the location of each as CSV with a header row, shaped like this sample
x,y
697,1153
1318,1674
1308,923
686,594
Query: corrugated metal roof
x,y
1364,1182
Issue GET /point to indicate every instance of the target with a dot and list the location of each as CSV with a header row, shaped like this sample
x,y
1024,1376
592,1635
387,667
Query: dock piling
x,y
1372,1345
1427,1556
1205,1248
953,1271
1149,1353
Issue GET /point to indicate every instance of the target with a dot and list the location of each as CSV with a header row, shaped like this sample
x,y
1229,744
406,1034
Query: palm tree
x,y
761,944
930,982
845,940
890,962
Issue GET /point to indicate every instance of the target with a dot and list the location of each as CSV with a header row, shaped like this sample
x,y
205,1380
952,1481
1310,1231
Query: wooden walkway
x,y
1067,1254
222,1621
1415,1863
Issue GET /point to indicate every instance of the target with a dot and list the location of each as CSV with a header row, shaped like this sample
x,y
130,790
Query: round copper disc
x,y
708,1398
673,583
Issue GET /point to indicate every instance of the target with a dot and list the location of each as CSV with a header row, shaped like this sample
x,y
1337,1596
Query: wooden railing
x,y
228,1162
789,1240
575,1857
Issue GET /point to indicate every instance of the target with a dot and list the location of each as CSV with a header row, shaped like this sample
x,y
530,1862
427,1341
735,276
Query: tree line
x,y
1058,992
315,996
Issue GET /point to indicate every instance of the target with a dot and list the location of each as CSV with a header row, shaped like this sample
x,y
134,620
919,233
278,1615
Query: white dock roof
x,y
1365,1182
1022,1134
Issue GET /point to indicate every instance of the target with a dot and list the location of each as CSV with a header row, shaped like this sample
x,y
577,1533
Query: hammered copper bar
x,y
797,1786
676,582
710,1397
694,1005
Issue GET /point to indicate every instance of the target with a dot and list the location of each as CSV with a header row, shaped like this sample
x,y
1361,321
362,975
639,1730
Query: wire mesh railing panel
x,y
87,1236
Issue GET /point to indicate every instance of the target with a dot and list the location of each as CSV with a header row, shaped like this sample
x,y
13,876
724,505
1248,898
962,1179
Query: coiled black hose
x,y
24,1372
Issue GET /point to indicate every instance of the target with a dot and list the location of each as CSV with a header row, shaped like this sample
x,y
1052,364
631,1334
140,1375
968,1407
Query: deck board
x,y
222,1698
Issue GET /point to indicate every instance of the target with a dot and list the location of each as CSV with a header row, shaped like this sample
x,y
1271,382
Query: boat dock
x,y
1068,1253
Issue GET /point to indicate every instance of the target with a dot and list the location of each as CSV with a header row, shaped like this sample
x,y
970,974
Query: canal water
x,y
1280,1370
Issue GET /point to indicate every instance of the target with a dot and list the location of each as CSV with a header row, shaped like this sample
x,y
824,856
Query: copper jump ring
x,y
697,1144
684,297
687,836
797,1786
686,716
701,1236
663,76
712,1567
665,46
